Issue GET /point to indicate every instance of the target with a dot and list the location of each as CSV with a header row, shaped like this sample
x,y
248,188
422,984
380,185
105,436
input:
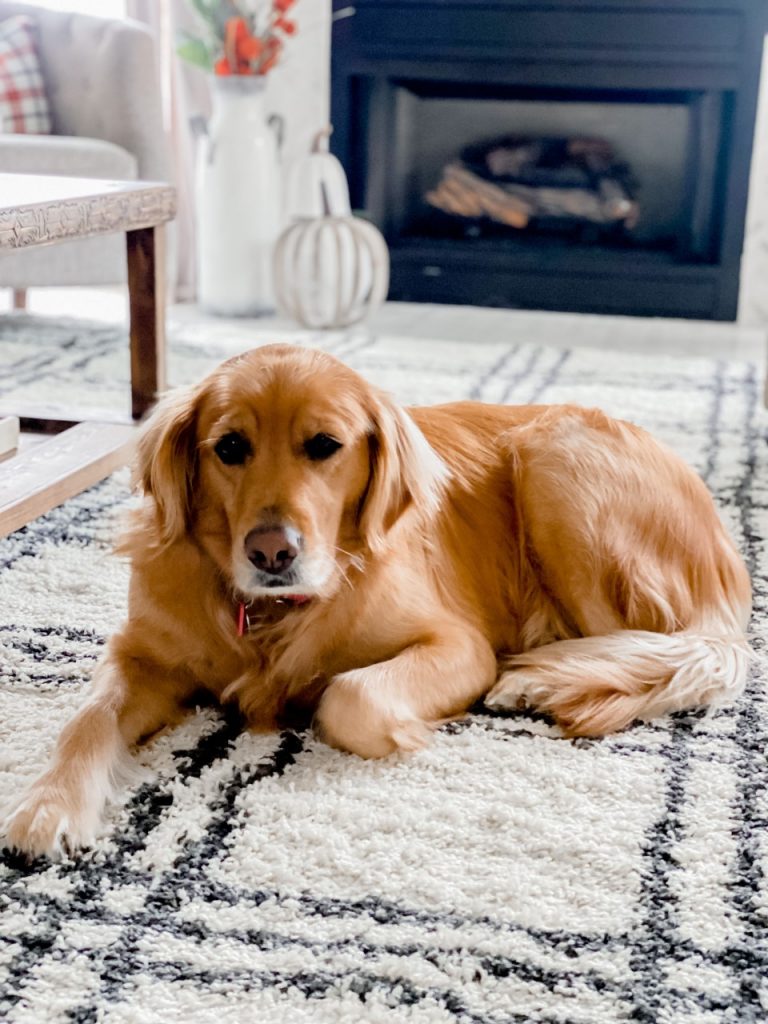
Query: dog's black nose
x,y
273,548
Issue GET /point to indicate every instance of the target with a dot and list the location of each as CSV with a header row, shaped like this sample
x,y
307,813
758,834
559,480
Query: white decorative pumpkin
x,y
312,175
331,271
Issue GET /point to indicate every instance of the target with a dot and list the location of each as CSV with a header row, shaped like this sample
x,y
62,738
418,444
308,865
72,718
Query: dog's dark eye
x,y
321,446
233,449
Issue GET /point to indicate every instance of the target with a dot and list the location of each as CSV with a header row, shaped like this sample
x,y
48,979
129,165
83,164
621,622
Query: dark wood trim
x,y
146,287
51,419
44,424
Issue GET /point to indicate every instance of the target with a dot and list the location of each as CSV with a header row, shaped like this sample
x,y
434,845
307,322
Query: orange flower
x,y
250,48
283,5
235,31
221,67
288,26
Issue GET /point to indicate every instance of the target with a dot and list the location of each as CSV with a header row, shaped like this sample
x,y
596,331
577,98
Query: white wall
x,y
103,8
299,87
753,299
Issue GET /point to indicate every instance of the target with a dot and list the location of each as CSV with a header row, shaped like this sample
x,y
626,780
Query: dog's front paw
x,y
356,714
47,824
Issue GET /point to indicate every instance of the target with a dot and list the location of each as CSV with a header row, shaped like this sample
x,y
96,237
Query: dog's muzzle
x,y
272,549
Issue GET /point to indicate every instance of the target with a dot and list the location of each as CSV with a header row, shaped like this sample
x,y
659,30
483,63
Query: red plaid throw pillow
x,y
23,103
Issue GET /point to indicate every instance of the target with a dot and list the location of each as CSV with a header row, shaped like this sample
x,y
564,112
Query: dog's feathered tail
x,y
599,684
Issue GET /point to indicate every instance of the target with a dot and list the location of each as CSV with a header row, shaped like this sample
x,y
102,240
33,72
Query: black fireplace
x,y
419,87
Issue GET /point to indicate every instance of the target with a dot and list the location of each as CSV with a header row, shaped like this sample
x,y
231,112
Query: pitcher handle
x,y
277,123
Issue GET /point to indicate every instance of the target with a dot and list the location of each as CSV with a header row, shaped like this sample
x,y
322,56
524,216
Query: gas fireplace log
x,y
577,203
463,193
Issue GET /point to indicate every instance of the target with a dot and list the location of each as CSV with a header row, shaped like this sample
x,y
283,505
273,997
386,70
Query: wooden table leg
x,y
146,291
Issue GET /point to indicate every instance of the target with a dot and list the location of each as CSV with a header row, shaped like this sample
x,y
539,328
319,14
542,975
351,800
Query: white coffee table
x,y
43,210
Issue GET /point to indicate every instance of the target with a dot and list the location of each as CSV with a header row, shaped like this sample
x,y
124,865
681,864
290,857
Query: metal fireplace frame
x,y
706,51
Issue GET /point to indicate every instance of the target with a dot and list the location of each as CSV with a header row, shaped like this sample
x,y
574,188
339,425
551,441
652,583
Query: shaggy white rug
x,y
503,875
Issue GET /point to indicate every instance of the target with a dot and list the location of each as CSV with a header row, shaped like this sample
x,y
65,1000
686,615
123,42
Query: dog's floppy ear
x,y
166,463
406,472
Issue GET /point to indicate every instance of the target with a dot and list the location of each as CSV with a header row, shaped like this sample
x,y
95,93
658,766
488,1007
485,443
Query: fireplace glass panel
x,y
431,128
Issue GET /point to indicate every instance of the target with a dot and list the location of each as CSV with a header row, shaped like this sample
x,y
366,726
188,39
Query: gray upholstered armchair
x,y
103,87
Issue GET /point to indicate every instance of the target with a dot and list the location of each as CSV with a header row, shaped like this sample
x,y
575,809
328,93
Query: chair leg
x,y
19,298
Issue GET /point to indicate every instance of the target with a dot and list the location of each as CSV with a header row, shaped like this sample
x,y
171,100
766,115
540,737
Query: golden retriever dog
x,y
307,546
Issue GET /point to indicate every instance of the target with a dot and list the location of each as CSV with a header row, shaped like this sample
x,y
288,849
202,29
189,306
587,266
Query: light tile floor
x,y
461,323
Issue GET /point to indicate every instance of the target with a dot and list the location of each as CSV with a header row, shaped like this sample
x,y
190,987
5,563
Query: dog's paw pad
x,y
44,826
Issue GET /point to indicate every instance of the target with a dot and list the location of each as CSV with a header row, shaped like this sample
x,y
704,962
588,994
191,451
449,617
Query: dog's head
x,y
284,465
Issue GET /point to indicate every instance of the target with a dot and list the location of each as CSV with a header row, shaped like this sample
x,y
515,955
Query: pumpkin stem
x,y
320,141
324,197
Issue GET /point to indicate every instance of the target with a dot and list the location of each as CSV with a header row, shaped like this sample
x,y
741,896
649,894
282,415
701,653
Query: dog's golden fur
x,y
547,555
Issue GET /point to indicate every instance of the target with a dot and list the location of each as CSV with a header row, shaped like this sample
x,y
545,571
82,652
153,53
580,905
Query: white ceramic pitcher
x,y
238,201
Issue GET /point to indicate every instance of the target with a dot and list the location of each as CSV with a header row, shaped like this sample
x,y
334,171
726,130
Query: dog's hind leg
x,y
61,811
626,539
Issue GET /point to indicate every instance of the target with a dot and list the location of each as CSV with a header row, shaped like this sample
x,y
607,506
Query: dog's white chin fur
x,y
317,573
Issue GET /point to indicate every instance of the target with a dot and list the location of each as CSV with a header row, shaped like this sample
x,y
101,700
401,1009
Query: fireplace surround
x,y
672,86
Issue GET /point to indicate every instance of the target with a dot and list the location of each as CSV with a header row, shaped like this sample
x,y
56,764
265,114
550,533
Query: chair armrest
x,y
103,83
